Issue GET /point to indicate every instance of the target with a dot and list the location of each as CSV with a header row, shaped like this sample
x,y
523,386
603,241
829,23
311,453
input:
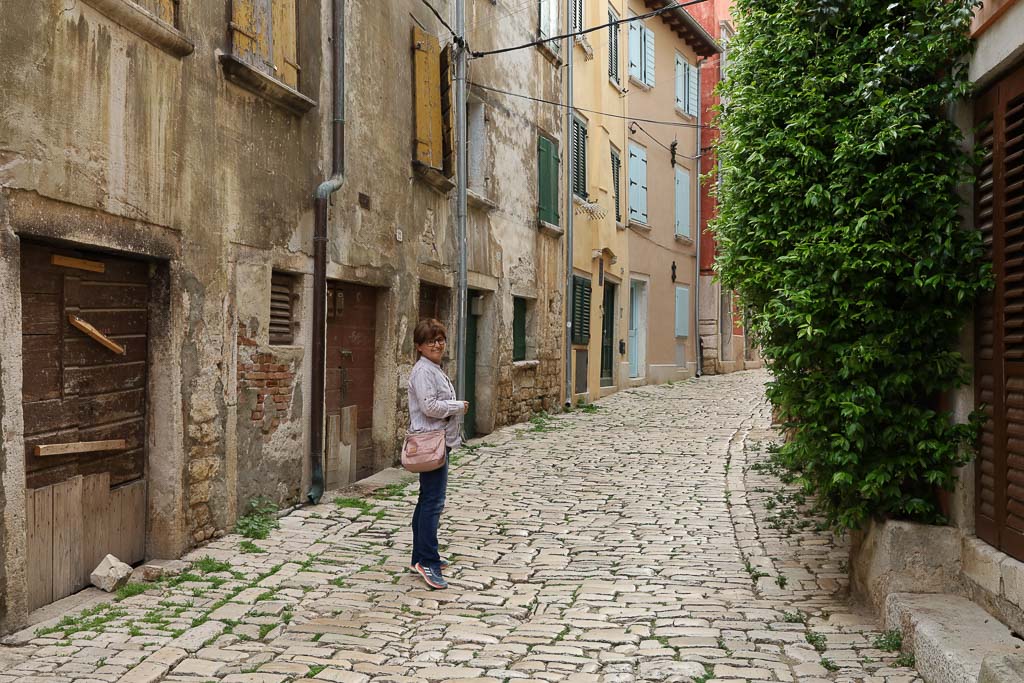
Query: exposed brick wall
x,y
271,379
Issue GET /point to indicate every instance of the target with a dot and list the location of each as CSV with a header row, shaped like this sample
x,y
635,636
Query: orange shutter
x,y
429,149
250,30
286,59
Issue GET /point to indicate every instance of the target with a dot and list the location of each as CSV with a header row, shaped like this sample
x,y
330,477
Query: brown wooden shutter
x,y
429,149
999,345
447,63
286,60
282,303
250,32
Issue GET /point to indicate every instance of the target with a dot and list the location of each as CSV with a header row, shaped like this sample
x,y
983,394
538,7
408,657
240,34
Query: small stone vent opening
x,y
282,309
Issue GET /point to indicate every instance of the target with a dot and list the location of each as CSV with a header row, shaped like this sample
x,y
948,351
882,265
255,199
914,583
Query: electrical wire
x,y
457,39
675,5
514,9
678,124
667,148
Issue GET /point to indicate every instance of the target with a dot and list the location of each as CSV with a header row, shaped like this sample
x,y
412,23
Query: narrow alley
x,y
640,539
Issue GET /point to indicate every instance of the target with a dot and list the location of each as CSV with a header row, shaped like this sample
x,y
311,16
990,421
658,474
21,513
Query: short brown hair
x,y
427,330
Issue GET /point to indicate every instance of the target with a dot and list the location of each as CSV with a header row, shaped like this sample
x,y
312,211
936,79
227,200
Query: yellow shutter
x,y
165,10
285,53
250,29
426,75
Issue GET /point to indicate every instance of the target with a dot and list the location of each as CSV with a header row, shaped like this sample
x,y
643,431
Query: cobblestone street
x,y
645,539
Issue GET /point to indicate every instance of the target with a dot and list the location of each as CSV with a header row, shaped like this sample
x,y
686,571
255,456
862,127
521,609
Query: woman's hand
x,y
465,407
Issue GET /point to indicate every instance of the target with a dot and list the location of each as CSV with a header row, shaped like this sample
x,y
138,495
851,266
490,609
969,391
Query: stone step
x,y
949,635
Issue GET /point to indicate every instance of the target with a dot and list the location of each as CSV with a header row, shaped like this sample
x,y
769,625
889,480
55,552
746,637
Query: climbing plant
x,y
838,224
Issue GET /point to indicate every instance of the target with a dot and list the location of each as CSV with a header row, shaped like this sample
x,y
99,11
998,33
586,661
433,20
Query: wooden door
x,y
85,357
999,327
608,336
351,333
472,329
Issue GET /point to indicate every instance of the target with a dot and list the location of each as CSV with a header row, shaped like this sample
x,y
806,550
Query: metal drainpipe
x,y
700,234
320,204
567,149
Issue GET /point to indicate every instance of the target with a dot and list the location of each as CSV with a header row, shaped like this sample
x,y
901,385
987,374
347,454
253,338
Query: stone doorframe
x,y
26,215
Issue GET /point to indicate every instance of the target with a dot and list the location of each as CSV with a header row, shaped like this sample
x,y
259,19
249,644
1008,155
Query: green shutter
x,y
547,180
581,292
616,172
518,329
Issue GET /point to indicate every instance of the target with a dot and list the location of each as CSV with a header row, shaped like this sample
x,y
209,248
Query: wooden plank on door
x,y
95,521
333,456
39,546
128,518
67,537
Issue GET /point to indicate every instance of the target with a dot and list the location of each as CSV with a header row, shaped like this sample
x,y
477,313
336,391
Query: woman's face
x,y
433,350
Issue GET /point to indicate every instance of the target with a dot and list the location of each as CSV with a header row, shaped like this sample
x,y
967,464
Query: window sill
x,y
550,53
685,114
684,239
638,226
640,84
550,229
588,50
145,25
433,177
479,201
619,225
255,81
590,209
525,364
612,81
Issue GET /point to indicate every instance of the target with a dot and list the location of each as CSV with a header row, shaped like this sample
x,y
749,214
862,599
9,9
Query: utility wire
x,y
625,20
667,148
509,11
458,39
678,124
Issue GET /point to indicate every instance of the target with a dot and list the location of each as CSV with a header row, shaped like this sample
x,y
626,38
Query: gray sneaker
x,y
445,563
431,576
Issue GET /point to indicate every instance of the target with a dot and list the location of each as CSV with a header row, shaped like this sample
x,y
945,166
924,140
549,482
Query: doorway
x,y
608,336
85,355
351,337
472,335
637,328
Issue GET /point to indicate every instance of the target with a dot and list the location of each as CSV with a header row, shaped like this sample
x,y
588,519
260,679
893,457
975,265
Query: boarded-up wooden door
x,y
999,329
84,348
351,333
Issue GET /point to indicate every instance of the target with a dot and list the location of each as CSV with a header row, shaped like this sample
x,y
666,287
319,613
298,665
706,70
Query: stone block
x,y
982,564
154,570
110,574
1002,669
1012,573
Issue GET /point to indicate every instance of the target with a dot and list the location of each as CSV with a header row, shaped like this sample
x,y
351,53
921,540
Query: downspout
x,y
567,153
699,346
320,206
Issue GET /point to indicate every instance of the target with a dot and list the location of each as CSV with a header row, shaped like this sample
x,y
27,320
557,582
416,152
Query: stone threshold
x,y
951,638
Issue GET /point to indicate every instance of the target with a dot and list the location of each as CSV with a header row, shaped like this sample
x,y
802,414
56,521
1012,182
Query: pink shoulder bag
x,y
424,451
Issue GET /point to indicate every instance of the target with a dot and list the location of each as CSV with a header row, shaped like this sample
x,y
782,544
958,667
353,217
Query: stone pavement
x,y
646,539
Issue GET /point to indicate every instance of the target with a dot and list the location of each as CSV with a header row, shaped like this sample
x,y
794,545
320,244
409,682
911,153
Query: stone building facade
x,y
156,245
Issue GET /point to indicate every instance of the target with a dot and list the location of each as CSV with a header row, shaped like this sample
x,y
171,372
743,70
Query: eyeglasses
x,y
437,342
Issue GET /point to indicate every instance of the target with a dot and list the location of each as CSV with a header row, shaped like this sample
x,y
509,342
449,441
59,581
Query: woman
x,y
432,406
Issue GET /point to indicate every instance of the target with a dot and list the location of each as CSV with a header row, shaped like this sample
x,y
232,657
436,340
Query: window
x,y
581,292
576,20
263,36
434,147
687,87
547,180
579,158
682,203
617,182
682,311
476,140
549,21
613,47
518,328
282,308
637,183
641,53
164,10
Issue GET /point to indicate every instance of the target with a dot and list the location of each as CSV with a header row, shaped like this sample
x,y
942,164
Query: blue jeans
x,y
427,516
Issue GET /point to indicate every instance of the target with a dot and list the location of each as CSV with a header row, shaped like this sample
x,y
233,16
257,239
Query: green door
x,y
470,419
608,336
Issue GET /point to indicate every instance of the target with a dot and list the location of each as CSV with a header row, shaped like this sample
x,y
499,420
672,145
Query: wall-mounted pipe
x,y
320,204
699,346
567,154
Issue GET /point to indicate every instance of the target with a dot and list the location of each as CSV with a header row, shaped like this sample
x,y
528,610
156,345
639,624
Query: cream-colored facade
x,y
600,243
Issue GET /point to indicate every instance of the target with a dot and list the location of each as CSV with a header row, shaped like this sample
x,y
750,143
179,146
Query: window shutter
x,y
649,57
547,180
692,91
634,183
682,202
613,47
518,329
447,112
549,20
429,149
579,171
682,311
286,60
581,293
636,50
681,76
577,16
250,33
282,298
642,183
617,184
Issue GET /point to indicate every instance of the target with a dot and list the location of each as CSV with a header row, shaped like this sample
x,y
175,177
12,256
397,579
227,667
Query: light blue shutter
x,y
649,53
682,311
634,185
682,202
641,166
681,76
636,50
693,91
